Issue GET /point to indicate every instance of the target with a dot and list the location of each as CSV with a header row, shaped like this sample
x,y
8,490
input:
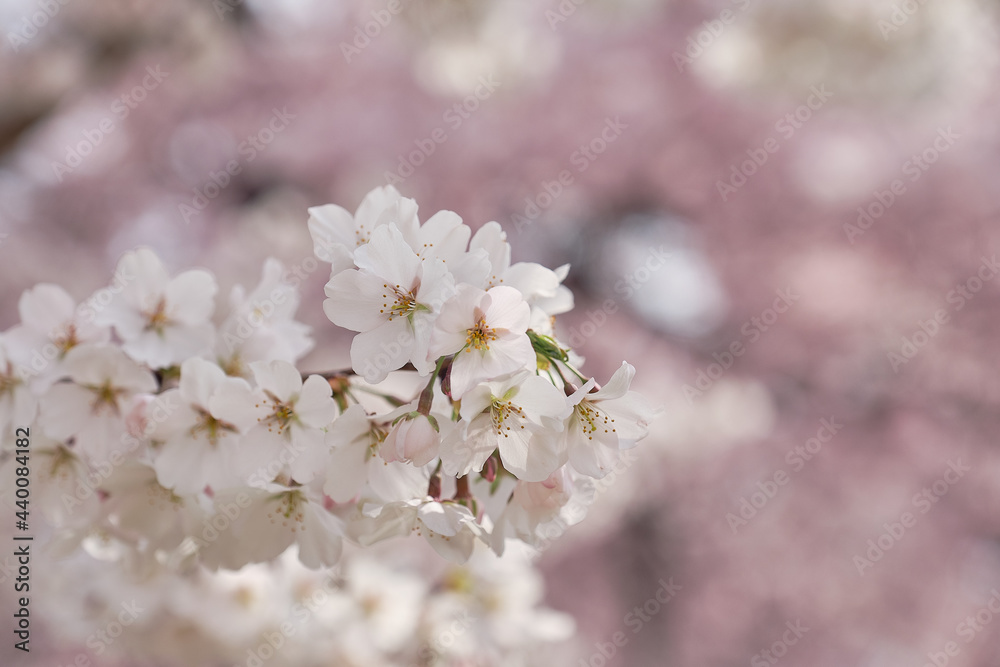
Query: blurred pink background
x,y
701,165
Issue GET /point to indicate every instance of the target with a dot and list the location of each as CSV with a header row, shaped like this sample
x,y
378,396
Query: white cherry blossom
x,y
337,234
272,519
541,287
91,407
392,300
521,415
539,512
201,438
486,331
606,421
162,320
51,325
449,527
354,469
291,417
261,325
18,403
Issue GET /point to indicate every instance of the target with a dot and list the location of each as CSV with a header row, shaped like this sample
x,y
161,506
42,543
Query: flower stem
x,y
427,395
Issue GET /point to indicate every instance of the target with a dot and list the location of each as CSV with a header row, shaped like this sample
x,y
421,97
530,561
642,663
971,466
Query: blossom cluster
x,y
169,427
374,609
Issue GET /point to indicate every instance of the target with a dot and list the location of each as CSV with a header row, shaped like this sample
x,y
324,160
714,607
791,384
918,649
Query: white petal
x,y
531,457
357,301
329,226
538,397
346,470
618,384
476,400
279,378
387,348
397,481
235,403
191,297
256,456
65,409
592,457
320,542
199,380
388,256
315,406
46,308
169,415
491,238
143,277
395,520
465,451
507,310
187,466
457,549
632,414
310,453
434,516
532,280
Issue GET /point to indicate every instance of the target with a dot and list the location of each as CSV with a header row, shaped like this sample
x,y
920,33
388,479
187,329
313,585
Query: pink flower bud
x,y
413,439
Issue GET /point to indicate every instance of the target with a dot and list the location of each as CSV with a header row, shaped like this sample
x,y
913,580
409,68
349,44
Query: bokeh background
x,y
716,158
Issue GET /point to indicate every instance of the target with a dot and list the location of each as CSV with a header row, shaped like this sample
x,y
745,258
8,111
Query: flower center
x,y
280,417
501,411
106,397
233,366
66,340
61,463
287,510
157,318
376,436
479,336
591,418
361,235
399,302
7,380
213,428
